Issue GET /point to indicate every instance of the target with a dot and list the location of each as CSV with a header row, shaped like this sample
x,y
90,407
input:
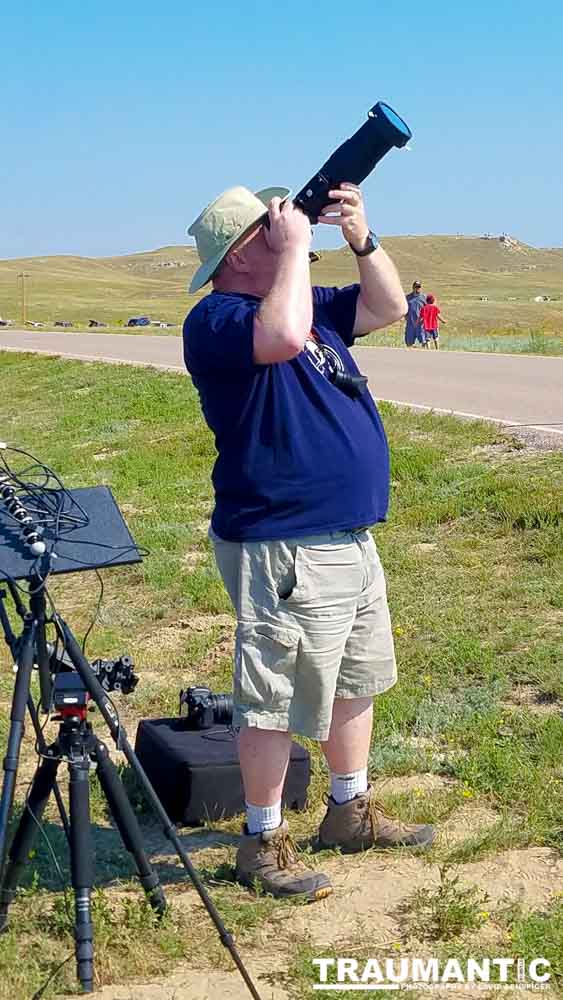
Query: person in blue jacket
x,y
302,472
413,330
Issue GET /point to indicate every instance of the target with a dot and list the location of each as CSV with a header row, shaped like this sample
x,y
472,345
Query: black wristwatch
x,y
371,244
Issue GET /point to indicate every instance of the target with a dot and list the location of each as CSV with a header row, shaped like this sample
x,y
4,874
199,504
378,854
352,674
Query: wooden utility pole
x,y
23,275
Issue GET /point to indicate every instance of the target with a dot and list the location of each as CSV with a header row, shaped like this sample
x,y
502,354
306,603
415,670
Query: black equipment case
x,y
196,773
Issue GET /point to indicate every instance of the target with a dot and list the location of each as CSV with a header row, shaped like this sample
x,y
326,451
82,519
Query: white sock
x,y
344,787
260,818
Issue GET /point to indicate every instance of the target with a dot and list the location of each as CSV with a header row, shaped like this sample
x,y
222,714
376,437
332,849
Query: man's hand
x,y
290,228
349,214
381,300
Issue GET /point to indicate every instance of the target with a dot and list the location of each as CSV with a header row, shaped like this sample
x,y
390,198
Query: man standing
x,y
413,329
302,471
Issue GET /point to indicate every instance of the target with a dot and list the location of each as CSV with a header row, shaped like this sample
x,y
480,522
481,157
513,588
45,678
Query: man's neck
x,y
240,284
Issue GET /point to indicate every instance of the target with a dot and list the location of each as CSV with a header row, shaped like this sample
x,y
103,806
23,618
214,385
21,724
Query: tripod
x,y
76,743
79,746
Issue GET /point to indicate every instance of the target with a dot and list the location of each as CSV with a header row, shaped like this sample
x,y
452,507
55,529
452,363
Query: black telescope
x,y
355,158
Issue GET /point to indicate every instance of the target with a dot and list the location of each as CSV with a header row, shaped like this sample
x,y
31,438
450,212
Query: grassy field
x,y
504,340
459,270
471,738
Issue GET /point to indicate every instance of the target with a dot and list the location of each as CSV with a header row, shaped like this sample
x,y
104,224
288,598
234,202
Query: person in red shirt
x,y
429,319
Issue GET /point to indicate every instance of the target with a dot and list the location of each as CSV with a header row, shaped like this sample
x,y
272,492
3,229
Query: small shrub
x,y
447,912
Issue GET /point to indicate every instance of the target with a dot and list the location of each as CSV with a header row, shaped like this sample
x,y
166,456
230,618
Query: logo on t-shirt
x,y
324,358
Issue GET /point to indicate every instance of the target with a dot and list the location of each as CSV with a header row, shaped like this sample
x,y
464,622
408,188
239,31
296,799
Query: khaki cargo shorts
x,y
313,625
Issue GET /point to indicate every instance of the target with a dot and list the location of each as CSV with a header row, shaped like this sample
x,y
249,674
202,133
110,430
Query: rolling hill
x,y
460,270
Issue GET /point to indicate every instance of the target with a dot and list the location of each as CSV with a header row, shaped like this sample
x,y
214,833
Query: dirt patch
x,y
100,456
533,699
130,508
365,907
471,819
369,890
423,547
193,558
203,985
531,876
203,623
201,527
172,636
419,435
500,449
414,783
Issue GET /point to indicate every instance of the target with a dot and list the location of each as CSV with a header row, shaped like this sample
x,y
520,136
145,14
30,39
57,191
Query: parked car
x,y
139,321
95,322
63,322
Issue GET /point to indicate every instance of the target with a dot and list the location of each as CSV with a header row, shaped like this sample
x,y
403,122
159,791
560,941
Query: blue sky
x,y
121,121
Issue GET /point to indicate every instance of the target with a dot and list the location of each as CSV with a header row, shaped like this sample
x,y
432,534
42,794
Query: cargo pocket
x,y
265,664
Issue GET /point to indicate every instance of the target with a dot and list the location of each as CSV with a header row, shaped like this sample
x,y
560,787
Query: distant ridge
x,y
154,282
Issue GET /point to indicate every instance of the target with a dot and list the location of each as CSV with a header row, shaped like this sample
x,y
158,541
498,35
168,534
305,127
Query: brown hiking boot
x,y
270,859
362,823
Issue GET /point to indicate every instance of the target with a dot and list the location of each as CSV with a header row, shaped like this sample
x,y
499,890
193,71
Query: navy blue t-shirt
x,y
296,455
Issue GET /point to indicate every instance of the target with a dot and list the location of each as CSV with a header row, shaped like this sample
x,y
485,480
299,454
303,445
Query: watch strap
x,y
372,244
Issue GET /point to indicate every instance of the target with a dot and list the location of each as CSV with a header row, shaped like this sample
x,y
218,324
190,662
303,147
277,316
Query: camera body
x,y
69,693
203,709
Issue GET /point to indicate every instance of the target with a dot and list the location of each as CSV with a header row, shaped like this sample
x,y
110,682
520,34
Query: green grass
x,y
540,933
473,556
459,336
39,946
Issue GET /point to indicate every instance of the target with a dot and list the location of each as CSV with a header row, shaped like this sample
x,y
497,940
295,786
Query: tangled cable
x,y
37,503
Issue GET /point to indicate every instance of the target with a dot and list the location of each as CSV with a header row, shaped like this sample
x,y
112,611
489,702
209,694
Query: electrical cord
x,y
56,513
39,993
96,612
50,847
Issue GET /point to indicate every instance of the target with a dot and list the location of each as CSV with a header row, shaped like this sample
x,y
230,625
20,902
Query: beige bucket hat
x,y
223,222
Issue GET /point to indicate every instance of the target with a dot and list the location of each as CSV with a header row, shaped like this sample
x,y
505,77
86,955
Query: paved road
x,y
511,388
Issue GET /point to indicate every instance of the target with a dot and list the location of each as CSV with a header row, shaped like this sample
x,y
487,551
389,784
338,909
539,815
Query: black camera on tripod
x,y
70,691
203,710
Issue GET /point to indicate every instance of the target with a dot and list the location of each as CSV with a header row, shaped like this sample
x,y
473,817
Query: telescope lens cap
x,y
400,128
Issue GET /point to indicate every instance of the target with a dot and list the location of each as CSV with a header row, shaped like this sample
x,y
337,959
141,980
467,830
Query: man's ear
x,y
236,260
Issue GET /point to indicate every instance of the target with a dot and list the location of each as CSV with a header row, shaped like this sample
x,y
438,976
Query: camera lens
x,y
222,709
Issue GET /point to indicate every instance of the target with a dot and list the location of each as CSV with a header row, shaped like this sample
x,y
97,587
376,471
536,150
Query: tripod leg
x,y
81,858
93,685
42,746
37,606
17,717
126,822
26,833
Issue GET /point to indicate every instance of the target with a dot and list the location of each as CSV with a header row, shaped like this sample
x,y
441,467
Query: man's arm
x,y
381,300
285,316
